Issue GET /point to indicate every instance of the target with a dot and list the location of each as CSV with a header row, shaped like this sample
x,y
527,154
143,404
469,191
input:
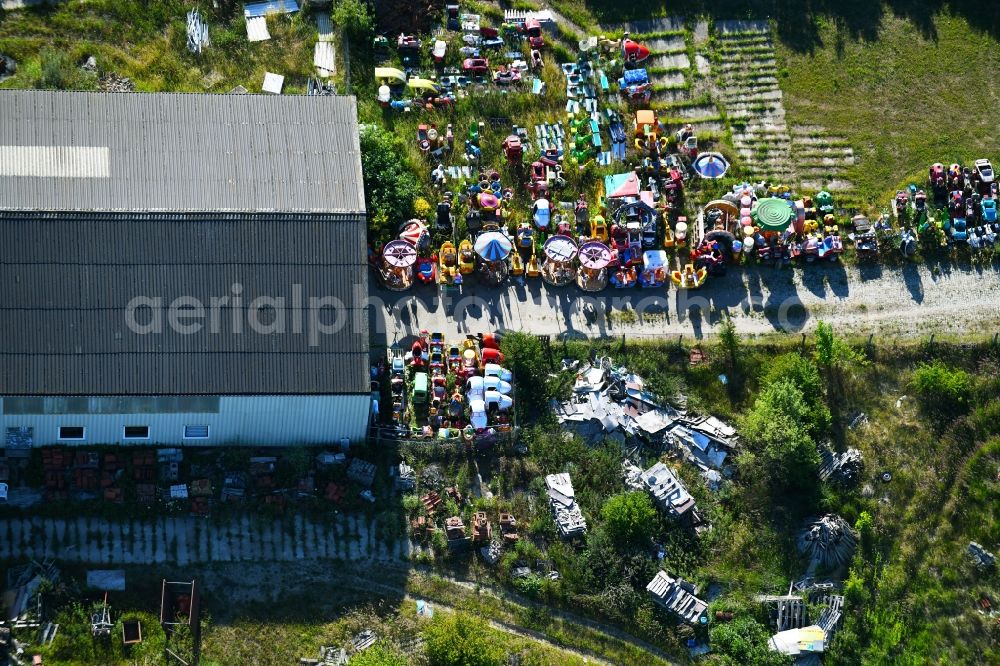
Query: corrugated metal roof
x,y
93,151
69,277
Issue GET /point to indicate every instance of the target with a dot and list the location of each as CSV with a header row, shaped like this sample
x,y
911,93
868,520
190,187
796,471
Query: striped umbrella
x,y
493,246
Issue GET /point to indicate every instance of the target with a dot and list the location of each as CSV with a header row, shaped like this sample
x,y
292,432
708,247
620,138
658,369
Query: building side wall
x,y
233,420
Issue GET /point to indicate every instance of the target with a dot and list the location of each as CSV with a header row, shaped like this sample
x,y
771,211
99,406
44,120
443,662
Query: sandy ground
x,y
910,302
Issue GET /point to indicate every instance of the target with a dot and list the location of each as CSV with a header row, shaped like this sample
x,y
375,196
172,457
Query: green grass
x,y
146,42
902,101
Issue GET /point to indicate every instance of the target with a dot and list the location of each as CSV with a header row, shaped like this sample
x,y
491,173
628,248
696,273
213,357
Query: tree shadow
x,y
798,22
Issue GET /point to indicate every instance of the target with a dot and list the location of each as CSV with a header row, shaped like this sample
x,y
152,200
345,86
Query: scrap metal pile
x,y
613,403
828,542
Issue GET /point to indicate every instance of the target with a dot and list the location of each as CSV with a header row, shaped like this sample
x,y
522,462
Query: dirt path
x,y
905,303
250,583
565,616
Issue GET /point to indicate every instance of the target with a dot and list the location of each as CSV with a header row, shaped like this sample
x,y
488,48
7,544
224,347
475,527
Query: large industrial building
x,y
181,269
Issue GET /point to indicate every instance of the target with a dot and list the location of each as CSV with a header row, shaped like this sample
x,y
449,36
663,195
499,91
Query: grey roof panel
x,y
68,278
180,152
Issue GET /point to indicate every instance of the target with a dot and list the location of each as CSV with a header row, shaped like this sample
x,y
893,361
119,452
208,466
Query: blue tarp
x,y
256,9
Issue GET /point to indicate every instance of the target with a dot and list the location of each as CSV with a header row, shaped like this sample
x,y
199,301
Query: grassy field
x,y
904,99
146,42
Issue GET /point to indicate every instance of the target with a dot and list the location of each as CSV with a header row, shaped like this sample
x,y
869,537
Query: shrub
x,y
421,208
459,639
380,654
744,641
942,390
58,72
630,518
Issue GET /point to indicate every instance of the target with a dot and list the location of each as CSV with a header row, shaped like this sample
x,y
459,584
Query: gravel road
x,y
909,302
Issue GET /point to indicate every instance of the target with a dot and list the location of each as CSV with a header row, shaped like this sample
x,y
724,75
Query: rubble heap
x,y
678,597
982,558
562,500
827,541
843,469
406,477
611,402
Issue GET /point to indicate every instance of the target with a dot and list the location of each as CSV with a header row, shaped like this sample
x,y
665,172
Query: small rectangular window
x,y
71,432
136,432
196,432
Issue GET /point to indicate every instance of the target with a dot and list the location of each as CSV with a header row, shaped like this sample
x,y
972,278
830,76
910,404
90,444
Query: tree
x,y
799,370
630,518
380,654
730,342
355,19
459,639
744,642
833,355
526,358
390,187
781,429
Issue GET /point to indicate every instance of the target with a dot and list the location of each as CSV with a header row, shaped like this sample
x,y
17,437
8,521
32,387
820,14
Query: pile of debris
x,y
667,492
361,471
562,500
678,596
842,469
799,635
111,82
8,66
982,558
406,477
828,541
454,529
197,32
22,602
613,403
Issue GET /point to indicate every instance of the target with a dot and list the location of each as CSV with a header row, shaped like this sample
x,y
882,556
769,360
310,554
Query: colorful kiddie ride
x,y
408,47
710,165
476,66
595,259
541,214
648,138
865,239
396,268
493,249
513,149
506,76
633,53
439,50
689,277
448,269
466,257
623,277
654,272
532,29
635,86
559,265
426,269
